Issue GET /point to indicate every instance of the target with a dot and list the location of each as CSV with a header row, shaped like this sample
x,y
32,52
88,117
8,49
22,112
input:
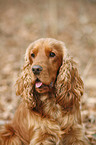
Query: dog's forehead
x,y
47,44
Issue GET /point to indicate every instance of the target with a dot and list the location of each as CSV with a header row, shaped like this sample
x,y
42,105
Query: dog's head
x,y
45,58
47,66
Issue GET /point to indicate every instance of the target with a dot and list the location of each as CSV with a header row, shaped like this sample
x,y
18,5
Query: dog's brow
x,y
34,49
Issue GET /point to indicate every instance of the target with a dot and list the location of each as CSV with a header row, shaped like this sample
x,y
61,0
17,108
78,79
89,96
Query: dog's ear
x,y
69,86
24,86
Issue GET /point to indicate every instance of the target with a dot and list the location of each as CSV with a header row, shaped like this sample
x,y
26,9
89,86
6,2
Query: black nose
x,y
36,69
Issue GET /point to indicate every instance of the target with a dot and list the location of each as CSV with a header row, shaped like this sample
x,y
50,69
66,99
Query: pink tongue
x,y
38,84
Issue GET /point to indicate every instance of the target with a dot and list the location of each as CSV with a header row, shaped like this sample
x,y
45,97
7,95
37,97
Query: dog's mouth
x,y
39,84
41,87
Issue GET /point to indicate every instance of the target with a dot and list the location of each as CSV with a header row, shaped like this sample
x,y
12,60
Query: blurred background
x,y
71,21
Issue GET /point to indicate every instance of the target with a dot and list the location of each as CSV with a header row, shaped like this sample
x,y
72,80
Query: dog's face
x,y
45,56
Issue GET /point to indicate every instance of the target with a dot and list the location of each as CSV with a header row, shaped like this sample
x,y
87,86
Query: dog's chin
x,y
40,87
42,90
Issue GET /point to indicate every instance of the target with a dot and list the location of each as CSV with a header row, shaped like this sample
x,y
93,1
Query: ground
x,y
73,22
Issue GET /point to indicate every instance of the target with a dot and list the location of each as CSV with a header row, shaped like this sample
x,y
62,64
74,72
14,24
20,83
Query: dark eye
x,y
32,55
52,54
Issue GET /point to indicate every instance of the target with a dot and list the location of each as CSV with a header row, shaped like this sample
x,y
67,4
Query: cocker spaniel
x,y
51,88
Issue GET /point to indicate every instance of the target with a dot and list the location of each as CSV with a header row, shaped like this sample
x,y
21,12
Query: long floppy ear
x,y
69,85
24,86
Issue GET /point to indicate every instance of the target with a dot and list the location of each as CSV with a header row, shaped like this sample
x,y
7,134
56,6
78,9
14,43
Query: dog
x,y
51,88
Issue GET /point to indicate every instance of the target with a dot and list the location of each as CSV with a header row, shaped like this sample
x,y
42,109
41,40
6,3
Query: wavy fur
x,y
52,117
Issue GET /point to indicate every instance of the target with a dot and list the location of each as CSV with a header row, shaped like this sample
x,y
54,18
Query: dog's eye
x,y
32,55
52,54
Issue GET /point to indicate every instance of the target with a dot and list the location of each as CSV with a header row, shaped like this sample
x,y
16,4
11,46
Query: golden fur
x,y
49,113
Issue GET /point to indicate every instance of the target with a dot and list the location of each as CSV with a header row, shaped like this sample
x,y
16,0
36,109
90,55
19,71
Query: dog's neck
x,y
46,105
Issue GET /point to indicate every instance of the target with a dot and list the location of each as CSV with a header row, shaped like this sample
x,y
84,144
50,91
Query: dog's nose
x,y
36,69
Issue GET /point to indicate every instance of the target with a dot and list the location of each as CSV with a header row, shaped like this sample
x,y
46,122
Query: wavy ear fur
x,y
24,86
69,85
